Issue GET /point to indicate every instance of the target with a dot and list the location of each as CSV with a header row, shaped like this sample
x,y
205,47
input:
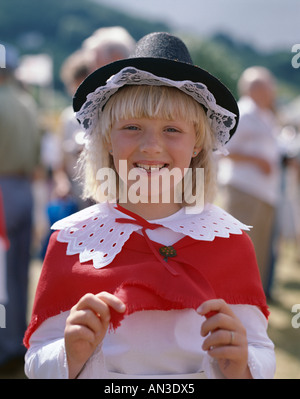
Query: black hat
x,y
159,59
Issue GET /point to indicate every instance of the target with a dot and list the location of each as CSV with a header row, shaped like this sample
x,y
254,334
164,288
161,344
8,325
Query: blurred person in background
x,y
107,45
74,70
253,172
59,153
19,155
104,46
290,185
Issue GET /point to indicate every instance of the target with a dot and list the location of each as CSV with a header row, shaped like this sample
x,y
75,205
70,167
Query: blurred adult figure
x,y
104,46
74,70
253,177
110,44
19,155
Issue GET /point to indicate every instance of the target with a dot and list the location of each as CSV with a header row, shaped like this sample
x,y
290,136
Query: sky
x,y
266,24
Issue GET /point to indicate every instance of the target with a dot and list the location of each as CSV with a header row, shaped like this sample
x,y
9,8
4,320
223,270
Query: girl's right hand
x,y
86,327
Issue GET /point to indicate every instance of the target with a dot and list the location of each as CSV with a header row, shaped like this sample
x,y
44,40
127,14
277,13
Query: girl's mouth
x,y
151,168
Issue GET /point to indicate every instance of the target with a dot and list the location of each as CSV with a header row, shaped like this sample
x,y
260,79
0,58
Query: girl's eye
x,y
172,130
131,127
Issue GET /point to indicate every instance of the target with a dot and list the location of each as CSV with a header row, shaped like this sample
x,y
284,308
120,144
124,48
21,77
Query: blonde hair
x,y
148,102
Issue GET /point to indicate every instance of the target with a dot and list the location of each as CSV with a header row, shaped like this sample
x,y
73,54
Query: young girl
x,y
153,281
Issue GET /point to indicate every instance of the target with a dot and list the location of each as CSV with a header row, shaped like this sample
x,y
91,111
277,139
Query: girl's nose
x,y
151,141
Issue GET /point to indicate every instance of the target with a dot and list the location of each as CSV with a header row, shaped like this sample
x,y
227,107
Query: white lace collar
x,y
94,234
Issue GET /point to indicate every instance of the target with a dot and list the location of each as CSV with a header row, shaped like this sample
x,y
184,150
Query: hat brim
x,y
165,68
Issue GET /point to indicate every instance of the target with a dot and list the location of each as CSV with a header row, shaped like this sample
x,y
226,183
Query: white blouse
x,y
150,344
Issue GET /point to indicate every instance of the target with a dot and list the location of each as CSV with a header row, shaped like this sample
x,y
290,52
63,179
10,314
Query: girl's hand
x,y
227,339
86,327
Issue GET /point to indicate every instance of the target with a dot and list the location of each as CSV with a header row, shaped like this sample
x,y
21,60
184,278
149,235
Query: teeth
x,y
150,167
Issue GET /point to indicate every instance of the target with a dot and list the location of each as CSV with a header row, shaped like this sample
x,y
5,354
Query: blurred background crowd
x,y
51,49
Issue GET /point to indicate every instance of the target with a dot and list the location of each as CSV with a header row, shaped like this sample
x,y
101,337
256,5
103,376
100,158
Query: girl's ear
x,y
196,151
108,147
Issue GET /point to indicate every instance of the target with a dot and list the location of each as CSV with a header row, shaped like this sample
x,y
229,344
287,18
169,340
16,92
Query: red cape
x,y
223,268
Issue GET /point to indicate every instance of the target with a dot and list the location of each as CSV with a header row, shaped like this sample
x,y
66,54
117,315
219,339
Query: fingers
x,y
89,322
218,314
221,338
100,304
91,315
214,306
86,327
223,328
112,301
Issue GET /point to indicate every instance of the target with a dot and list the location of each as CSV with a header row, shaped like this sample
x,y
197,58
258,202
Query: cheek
x,y
183,154
113,141
122,146
120,153
119,148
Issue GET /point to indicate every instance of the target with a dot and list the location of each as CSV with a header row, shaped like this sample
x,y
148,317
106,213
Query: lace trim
x,y
95,236
221,120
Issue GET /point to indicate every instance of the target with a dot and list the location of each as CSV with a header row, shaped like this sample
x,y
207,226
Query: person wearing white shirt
x,y
251,172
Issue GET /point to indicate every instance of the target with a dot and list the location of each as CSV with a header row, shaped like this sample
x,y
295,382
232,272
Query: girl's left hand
x,y
227,341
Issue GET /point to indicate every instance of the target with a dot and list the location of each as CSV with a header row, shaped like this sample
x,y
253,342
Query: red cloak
x,y
223,268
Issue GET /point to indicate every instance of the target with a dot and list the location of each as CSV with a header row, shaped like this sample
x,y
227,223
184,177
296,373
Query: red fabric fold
x,y
224,268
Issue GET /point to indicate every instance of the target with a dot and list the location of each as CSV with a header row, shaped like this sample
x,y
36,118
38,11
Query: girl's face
x,y
152,148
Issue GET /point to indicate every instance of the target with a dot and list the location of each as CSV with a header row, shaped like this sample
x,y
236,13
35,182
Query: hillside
x,y
58,27
227,58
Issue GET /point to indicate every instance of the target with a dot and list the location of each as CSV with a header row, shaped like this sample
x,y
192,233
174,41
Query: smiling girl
x,y
158,132
137,286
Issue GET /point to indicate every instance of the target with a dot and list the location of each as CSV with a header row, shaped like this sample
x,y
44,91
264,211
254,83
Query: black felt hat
x,y
165,60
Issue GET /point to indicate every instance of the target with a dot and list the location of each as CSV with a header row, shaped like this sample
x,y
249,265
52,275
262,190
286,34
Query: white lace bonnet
x,y
160,59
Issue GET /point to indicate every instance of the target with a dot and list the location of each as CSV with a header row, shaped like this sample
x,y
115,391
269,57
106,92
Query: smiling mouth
x,y
151,168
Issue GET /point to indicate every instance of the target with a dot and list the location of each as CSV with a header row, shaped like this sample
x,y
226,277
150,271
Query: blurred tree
x,y
58,27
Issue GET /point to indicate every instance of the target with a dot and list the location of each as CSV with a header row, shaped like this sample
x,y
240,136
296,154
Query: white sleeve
x,y
46,358
261,355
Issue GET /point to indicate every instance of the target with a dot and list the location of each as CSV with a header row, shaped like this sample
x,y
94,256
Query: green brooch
x,y
167,252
